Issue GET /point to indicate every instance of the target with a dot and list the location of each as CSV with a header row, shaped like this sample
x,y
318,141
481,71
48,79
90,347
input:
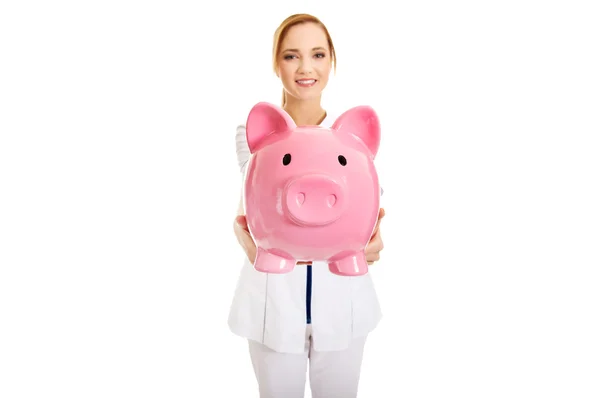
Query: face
x,y
304,61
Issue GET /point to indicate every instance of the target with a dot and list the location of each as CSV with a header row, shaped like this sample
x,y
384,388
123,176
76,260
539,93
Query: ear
x,y
363,123
265,119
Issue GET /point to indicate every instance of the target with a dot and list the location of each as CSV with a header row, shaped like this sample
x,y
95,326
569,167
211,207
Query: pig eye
x,y
342,160
287,158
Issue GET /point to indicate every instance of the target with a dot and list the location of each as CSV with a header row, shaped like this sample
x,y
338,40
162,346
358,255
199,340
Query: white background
x,y
119,185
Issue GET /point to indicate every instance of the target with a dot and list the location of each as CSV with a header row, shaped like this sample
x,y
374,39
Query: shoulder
x,y
240,132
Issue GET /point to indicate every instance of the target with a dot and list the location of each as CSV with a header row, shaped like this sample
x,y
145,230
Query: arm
x,y
375,245
240,227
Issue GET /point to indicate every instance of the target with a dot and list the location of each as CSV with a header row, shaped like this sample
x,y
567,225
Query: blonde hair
x,y
282,30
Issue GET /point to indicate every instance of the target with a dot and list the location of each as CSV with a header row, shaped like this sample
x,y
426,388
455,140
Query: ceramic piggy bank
x,y
311,193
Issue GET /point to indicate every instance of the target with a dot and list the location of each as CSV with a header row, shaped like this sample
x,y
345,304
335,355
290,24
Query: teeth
x,y
306,81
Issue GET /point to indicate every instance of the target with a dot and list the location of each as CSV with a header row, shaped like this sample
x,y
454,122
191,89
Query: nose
x,y
314,200
305,66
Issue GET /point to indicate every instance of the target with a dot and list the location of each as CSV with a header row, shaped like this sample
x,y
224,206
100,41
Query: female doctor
x,y
309,313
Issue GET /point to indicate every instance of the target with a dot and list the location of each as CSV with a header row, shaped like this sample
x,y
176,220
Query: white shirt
x,y
271,308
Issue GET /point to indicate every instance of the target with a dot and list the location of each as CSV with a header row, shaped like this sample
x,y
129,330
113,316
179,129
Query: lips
x,y
306,82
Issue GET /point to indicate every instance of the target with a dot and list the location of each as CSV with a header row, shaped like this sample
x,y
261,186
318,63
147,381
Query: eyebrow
x,y
296,50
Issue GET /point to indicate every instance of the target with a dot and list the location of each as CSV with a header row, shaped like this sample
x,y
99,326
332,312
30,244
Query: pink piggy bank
x,y
311,193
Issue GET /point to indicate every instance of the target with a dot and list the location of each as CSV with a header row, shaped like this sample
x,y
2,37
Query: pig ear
x,y
363,123
265,119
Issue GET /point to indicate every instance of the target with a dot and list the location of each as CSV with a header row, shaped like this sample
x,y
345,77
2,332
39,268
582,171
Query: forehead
x,y
305,35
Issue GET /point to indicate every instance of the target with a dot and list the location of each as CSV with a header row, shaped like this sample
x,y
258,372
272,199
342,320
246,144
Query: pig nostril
x,y
331,199
300,199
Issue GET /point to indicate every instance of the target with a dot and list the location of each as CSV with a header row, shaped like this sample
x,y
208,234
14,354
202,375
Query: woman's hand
x,y
375,245
245,239
242,233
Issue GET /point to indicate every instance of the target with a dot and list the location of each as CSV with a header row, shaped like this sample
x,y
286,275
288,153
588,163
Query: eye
x,y
287,158
342,160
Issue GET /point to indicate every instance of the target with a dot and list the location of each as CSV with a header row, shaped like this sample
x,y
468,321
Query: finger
x,y
246,239
375,235
373,257
374,248
242,222
375,244
379,217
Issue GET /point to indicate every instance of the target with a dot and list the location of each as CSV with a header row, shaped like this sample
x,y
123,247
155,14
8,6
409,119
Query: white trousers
x,y
332,374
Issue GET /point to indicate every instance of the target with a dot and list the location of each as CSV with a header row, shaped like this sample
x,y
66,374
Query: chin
x,y
312,95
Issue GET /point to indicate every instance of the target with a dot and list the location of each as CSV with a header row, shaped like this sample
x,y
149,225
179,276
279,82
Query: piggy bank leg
x,y
273,263
354,264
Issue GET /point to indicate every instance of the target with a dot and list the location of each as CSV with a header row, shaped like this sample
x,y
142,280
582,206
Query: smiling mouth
x,y
306,82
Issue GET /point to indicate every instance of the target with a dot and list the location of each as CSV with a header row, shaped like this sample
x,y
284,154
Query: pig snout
x,y
314,200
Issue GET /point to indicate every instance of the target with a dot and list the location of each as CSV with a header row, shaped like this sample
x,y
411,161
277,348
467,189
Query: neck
x,y
305,113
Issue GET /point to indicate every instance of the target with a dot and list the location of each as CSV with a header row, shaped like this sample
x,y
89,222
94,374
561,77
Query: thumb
x,y
379,217
241,221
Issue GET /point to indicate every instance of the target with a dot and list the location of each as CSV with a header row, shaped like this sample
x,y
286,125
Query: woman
x,y
287,318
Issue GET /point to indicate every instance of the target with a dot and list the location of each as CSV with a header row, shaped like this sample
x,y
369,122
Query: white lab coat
x,y
271,308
